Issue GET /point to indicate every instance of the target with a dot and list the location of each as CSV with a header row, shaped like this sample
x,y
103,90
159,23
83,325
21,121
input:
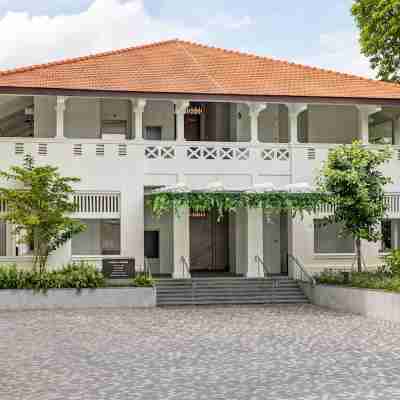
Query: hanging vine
x,y
231,202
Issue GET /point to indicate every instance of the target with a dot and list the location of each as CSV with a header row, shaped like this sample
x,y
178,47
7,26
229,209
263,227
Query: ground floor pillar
x,y
132,226
255,247
181,244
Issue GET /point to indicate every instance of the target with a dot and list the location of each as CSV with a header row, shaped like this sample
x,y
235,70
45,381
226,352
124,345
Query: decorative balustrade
x,y
159,152
97,205
217,153
272,154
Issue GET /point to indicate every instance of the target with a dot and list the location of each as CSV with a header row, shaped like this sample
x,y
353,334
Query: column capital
x,y
181,106
60,103
296,108
138,105
367,109
256,108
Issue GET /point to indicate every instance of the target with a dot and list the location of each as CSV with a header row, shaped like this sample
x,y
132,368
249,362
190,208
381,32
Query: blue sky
x,y
320,33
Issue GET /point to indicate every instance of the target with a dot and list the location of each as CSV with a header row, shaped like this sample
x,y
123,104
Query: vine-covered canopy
x,y
231,202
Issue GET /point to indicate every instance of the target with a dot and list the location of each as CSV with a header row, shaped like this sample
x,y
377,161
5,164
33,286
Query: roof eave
x,y
33,91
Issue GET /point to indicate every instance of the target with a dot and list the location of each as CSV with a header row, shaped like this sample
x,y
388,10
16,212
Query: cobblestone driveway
x,y
275,352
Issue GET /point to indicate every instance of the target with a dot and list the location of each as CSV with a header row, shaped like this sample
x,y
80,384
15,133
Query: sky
x,y
320,33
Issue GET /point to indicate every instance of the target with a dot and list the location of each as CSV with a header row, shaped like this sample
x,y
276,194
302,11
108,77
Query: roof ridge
x,y
73,60
276,60
188,53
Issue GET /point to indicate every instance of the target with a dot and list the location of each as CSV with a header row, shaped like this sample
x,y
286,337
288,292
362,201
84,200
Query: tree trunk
x,y
358,255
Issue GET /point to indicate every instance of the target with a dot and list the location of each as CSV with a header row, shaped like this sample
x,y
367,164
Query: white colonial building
x,y
132,120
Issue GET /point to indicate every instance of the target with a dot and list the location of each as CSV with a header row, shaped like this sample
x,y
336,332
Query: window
x,y
153,133
111,127
152,244
101,237
327,239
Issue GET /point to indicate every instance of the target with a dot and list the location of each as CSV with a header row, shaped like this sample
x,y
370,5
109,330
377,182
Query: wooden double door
x,y
209,243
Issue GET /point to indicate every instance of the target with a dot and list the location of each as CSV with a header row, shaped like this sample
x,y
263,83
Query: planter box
x,y
126,297
370,303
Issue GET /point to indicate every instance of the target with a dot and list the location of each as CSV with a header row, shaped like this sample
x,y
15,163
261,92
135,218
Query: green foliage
x,y
392,262
38,205
143,280
368,280
77,276
352,177
231,202
379,24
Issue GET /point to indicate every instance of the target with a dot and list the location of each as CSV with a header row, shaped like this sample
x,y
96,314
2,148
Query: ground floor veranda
x,y
249,242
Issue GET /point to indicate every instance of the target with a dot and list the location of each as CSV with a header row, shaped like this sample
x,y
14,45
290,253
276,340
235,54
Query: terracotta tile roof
x,y
181,67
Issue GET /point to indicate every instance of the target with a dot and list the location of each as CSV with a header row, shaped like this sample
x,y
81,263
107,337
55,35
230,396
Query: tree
x,y
38,205
379,24
355,184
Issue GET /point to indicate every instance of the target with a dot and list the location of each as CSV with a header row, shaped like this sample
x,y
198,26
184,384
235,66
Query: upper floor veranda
x,y
167,137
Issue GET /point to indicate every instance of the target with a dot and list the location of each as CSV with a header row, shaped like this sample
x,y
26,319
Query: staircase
x,y
228,290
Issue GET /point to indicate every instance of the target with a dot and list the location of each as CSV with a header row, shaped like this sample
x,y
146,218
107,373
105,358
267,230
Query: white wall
x,y
164,225
332,124
45,116
82,118
160,113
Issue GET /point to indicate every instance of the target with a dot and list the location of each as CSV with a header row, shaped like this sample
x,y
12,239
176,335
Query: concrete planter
x,y
370,303
125,297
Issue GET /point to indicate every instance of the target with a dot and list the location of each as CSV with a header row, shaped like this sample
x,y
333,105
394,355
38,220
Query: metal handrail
x,y
186,268
147,268
303,271
261,262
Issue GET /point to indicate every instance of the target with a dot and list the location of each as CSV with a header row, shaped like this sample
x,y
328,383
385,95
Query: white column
x,y
132,224
138,106
60,109
364,111
181,243
180,111
255,247
294,109
254,112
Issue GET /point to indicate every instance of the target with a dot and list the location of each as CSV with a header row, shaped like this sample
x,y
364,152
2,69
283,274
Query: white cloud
x,y
340,51
105,25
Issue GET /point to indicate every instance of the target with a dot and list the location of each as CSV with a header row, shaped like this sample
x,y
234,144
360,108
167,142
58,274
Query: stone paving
x,y
235,353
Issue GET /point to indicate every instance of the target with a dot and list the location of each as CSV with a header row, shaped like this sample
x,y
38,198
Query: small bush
x,y
143,280
392,262
75,276
382,279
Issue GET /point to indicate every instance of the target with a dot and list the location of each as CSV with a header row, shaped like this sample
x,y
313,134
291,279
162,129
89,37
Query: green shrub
x,y
382,279
143,281
392,262
76,276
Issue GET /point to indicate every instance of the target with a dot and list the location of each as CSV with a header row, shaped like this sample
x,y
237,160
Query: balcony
x,y
101,163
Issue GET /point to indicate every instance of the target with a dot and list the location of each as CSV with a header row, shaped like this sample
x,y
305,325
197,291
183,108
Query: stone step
x,y
228,290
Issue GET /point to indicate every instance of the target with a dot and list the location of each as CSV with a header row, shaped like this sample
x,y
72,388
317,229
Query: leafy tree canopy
x,y
379,24
353,178
38,204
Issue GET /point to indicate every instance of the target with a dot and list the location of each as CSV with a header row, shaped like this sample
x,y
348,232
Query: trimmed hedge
x,y
75,276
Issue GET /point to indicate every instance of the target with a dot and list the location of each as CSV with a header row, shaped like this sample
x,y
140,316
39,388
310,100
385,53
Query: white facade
x,y
105,142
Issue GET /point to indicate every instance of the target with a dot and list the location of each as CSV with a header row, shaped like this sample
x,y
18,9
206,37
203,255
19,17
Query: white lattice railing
x,y
97,205
275,154
217,153
392,202
159,152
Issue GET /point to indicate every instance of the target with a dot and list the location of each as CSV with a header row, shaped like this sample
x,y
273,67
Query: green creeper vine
x,y
231,202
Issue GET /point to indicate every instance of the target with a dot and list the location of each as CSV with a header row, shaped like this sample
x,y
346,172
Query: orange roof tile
x,y
180,67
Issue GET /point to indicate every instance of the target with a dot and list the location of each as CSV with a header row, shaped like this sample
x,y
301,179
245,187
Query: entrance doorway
x,y
276,234
209,243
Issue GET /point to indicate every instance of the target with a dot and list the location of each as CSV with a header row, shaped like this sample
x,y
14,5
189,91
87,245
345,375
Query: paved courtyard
x,y
273,352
